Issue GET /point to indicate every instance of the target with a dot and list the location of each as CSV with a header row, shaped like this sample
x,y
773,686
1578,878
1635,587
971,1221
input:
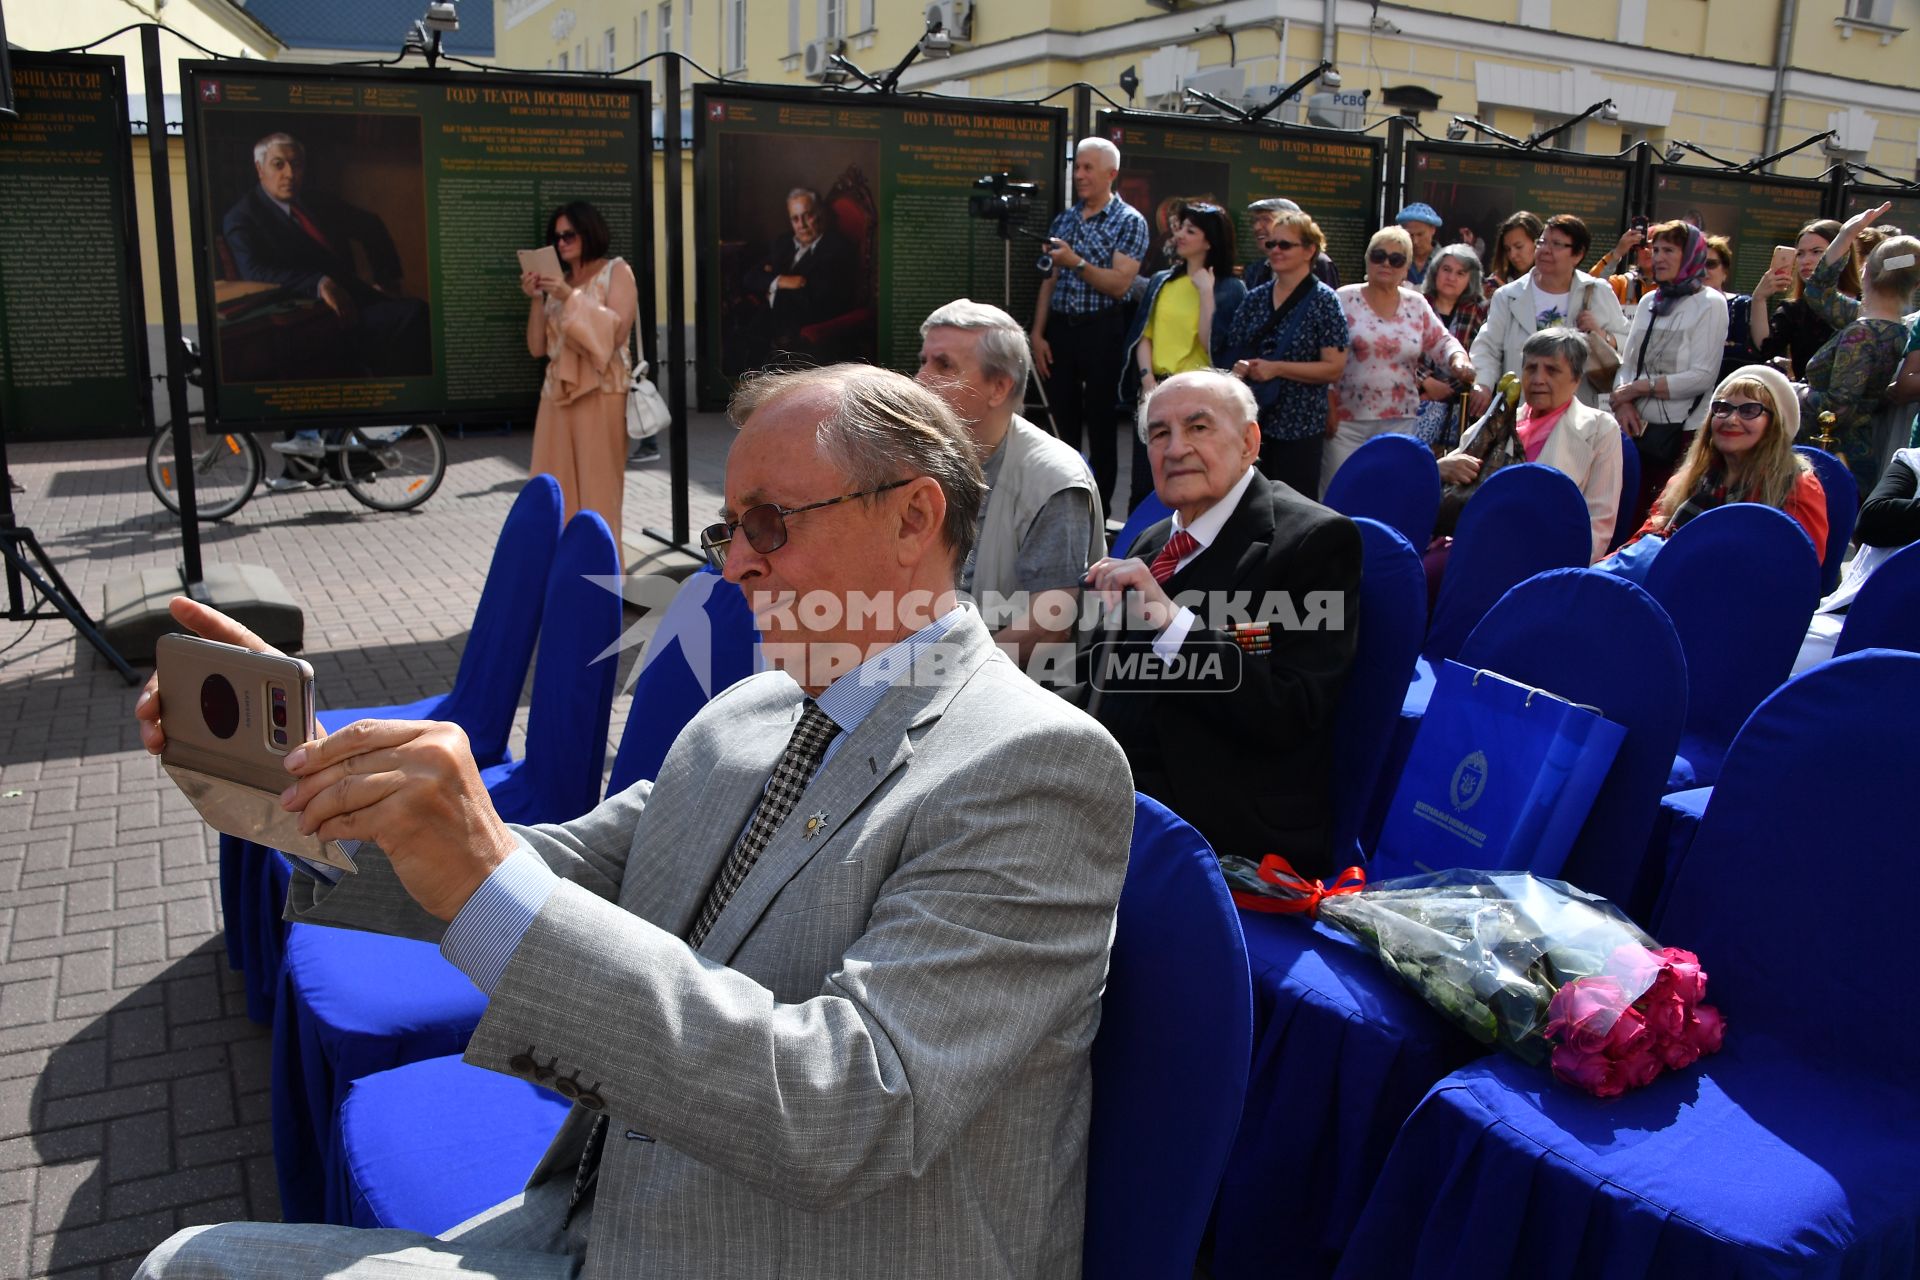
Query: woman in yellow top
x,y
1186,316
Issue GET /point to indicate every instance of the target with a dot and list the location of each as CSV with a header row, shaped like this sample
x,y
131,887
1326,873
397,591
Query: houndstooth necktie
x,y
790,777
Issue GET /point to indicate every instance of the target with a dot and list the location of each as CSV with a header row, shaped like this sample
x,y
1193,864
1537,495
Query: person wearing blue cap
x,y
1420,221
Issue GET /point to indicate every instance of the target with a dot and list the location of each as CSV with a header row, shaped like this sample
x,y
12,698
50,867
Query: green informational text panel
x,y
417,188
896,239
1755,213
73,352
1905,213
1168,160
1474,188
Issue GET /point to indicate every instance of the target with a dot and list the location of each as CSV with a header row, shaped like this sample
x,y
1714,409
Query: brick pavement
x,y
133,1089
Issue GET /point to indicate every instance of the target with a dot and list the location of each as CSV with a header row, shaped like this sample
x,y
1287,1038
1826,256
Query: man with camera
x,y
1079,323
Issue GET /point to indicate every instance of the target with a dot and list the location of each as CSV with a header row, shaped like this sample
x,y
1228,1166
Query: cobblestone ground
x,y
133,1089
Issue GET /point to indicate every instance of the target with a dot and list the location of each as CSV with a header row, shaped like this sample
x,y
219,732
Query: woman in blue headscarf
x,y
1671,359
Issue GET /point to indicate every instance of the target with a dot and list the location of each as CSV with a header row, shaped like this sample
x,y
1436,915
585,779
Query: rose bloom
x,y
1639,1069
1666,1012
1706,1029
1584,1012
1596,1073
1684,971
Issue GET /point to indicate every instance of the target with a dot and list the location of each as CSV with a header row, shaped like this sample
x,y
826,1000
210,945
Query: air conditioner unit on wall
x,y
818,64
955,18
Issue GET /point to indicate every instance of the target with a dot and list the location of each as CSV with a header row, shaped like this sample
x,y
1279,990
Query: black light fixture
x,y
1762,162
1458,126
934,42
1326,69
1603,108
1679,145
1130,81
424,36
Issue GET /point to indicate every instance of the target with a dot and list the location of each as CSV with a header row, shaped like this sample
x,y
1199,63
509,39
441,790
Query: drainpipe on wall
x,y
1329,29
1777,100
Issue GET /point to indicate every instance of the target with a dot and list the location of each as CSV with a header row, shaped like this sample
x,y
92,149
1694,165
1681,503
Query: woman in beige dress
x,y
580,321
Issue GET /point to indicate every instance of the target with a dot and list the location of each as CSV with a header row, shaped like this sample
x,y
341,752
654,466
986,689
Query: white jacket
x,y
1585,447
1685,347
1510,322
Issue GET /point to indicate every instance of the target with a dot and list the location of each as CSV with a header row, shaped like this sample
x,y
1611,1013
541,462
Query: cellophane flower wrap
x,y
1547,971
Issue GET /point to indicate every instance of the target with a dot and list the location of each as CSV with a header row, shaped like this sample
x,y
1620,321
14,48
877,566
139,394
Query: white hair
x,y
1099,146
1003,342
272,140
1235,395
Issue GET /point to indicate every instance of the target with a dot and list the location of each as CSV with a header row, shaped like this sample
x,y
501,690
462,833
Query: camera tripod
x,y
26,559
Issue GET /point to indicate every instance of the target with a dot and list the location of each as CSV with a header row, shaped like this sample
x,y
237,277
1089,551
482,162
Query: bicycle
x,y
393,468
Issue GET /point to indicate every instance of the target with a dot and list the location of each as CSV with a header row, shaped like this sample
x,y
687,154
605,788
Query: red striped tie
x,y
1178,547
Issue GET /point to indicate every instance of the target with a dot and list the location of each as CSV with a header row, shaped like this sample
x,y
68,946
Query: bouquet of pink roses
x,y
1545,970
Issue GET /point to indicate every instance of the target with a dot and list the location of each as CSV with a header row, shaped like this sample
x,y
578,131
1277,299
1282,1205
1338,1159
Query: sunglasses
x,y
1201,207
562,237
765,525
1381,258
1747,412
1287,245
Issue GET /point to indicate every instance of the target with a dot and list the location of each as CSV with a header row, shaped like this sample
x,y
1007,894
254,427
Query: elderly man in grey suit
x,y
825,991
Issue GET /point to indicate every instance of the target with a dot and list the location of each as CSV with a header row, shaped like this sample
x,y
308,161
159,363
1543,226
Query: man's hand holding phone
x,y
411,787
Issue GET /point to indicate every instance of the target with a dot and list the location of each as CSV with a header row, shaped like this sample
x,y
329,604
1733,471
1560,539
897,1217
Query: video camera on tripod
x,y
999,198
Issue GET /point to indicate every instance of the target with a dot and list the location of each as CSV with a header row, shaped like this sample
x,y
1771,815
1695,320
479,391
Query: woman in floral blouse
x,y
1289,342
1849,375
1392,328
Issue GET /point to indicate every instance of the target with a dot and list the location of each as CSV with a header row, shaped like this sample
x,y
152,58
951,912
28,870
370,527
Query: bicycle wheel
x,y
226,469
394,468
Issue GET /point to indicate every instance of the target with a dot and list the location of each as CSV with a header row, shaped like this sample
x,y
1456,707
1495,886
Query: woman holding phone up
x,y
580,321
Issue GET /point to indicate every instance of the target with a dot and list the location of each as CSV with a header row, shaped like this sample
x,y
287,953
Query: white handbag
x,y
647,413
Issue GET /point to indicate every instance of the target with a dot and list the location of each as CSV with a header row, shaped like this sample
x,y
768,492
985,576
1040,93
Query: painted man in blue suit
x,y
281,234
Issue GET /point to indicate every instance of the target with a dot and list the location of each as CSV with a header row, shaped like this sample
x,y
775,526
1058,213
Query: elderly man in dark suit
x,y
808,275
1239,630
281,233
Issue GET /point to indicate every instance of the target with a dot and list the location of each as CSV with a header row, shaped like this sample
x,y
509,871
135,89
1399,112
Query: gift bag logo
x,y
1469,781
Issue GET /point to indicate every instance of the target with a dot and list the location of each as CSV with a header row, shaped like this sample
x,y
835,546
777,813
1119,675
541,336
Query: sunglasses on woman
x,y
1381,258
1286,245
765,525
562,237
1748,412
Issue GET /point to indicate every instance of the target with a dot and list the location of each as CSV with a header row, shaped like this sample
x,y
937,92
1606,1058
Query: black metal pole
x,y
1640,195
1396,164
16,603
649,318
1082,114
190,571
676,232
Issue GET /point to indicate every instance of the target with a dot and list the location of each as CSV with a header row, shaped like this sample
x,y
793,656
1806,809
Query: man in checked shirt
x,y
1079,323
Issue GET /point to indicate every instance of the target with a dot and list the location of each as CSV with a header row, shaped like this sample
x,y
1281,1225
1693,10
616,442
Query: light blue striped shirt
x,y
486,931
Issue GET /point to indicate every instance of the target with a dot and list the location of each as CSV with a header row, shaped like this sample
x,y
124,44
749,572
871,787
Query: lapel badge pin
x,y
816,823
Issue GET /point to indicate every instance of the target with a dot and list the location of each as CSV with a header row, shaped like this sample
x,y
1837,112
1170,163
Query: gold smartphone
x,y
1784,256
230,712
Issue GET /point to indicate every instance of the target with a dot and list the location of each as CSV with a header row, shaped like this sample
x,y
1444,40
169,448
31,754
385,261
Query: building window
x,y
793,28
737,35
686,27
640,35
866,15
666,26
1880,11
563,60
833,19
609,51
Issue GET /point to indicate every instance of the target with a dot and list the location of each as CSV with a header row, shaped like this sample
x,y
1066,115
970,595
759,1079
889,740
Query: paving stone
x,y
139,1146
175,1190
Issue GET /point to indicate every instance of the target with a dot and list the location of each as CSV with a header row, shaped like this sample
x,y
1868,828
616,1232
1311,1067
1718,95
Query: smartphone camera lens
x,y
219,706
279,711
279,737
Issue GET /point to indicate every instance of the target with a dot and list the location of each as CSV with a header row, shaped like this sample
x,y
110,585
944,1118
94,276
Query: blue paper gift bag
x,y
1500,778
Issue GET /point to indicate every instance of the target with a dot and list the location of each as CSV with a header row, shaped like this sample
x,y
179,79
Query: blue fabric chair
x,y
1393,617
426,1146
1795,1151
484,697
1843,508
1342,1051
1525,520
1629,492
353,1003
1150,512
1740,583
1170,1060
1393,479
1886,613
705,642
1675,827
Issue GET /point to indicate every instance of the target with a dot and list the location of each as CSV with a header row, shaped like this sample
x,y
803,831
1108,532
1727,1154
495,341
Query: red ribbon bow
x,y
1277,871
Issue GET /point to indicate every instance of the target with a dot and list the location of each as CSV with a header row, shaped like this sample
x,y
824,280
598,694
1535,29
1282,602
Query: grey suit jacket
x,y
876,1064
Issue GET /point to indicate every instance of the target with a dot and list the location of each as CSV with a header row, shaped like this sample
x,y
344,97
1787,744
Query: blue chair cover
x,y
1393,479
1675,827
426,1146
1393,617
1886,613
1150,512
1343,1052
484,697
1525,520
704,643
1740,583
1170,1059
352,1003
1629,492
1795,1151
1843,508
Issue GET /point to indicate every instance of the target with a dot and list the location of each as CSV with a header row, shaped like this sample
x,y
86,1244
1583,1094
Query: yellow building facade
x,y
1739,78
